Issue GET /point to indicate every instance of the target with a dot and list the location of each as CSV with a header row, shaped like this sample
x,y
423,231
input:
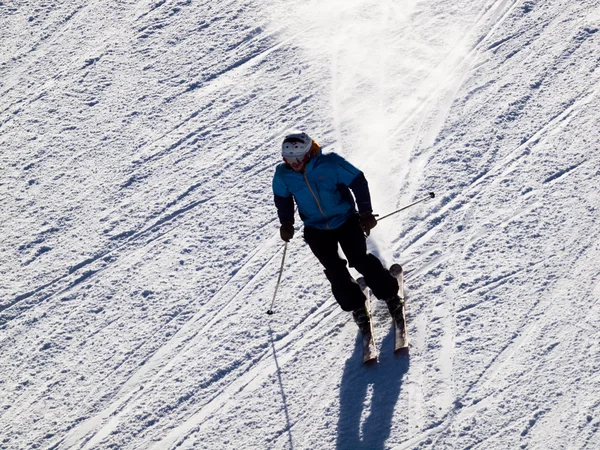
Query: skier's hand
x,y
286,231
367,222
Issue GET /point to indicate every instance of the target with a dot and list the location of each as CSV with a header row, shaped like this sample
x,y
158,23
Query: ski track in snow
x,y
443,97
157,364
166,358
142,247
469,194
249,381
252,379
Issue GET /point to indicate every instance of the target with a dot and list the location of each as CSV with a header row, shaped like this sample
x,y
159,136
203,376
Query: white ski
x,y
400,333
368,341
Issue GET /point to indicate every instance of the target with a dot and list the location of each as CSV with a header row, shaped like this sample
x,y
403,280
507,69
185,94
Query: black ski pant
x,y
324,244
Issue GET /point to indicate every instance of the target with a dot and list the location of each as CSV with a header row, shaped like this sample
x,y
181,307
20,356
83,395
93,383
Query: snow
x,y
140,246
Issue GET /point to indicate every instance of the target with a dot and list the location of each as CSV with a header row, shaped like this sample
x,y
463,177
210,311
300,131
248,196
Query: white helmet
x,y
296,145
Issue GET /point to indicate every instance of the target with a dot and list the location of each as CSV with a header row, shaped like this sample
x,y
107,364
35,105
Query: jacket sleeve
x,y
360,189
284,201
285,208
356,181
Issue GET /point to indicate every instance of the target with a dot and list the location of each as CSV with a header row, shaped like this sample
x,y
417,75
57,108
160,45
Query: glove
x,y
286,231
367,222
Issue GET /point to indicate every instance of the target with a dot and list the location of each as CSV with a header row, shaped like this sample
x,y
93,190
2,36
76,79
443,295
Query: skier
x,y
321,184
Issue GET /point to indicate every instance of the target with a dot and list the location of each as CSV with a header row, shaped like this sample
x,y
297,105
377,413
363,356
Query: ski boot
x,y
395,305
363,319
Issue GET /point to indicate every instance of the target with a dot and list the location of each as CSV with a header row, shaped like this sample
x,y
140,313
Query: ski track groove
x,y
564,172
124,404
237,68
122,399
254,377
471,191
486,377
108,252
257,250
516,215
448,92
415,396
455,77
176,342
131,241
499,281
75,269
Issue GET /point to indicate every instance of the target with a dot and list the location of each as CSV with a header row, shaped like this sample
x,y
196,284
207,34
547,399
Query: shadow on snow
x,y
288,427
368,396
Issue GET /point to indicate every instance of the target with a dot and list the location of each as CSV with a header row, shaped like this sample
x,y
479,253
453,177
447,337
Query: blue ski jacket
x,y
322,191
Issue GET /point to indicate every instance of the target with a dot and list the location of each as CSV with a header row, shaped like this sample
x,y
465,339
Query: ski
x,y
400,332
368,340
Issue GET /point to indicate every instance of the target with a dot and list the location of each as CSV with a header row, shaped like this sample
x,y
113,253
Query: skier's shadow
x,y
382,383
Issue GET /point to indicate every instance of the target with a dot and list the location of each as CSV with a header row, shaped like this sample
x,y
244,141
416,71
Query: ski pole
x,y
270,310
430,195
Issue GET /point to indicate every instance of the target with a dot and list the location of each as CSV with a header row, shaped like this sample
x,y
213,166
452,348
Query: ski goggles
x,y
296,142
295,160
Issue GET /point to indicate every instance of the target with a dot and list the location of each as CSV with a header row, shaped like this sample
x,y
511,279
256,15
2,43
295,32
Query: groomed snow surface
x,y
140,245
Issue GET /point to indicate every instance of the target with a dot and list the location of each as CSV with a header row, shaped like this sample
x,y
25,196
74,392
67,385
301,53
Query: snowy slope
x,y
140,245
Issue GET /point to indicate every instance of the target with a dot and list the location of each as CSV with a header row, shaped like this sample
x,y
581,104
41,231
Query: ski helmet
x,y
296,146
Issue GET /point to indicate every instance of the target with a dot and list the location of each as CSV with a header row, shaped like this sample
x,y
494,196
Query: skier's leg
x,y
324,245
354,245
